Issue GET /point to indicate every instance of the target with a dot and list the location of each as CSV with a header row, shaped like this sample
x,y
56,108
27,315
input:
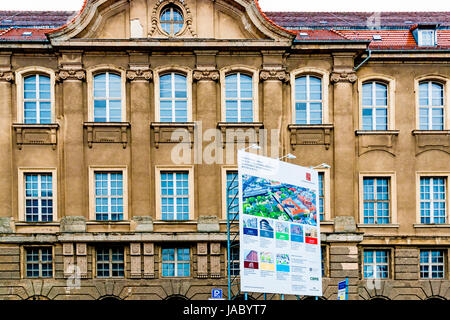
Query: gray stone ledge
x,y
6,225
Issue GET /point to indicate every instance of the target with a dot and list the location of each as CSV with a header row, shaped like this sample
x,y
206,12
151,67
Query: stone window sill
x,y
247,131
371,140
377,132
431,225
432,140
390,225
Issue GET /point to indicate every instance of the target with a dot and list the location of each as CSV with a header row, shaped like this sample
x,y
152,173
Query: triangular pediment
x,y
153,20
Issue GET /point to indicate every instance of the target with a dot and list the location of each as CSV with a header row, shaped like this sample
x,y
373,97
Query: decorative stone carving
x,y
164,132
7,76
432,140
135,253
215,259
206,75
139,75
156,12
310,135
382,140
202,260
107,132
68,259
269,74
43,134
82,259
233,132
70,74
149,260
344,76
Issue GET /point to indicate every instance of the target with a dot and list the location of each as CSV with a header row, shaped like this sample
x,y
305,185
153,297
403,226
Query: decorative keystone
x,y
139,75
5,225
343,76
70,74
143,223
280,75
208,224
73,224
205,75
344,224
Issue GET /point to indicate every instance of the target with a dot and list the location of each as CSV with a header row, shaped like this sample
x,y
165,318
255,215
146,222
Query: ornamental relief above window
x,y
171,18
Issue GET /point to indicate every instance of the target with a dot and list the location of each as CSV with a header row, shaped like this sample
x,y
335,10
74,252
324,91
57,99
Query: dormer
x,y
425,34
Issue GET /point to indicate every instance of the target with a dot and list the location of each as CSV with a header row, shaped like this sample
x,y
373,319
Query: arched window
x,y
171,20
238,98
173,98
374,106
308,100
431,106
37,99
107,97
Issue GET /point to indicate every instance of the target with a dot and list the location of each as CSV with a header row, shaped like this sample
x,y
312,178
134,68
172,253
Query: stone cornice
x,y
206,75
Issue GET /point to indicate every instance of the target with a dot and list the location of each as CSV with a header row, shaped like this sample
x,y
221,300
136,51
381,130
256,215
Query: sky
x,y
266,5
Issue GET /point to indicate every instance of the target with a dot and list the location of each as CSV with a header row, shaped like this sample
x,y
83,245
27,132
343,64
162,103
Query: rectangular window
x,y
39,262
308,100
433,199
174,195
38,197
321,196
426,38
173,98
234,261
110,262
108,195
432,264
431,105
376,264
232,196
374,106
175,262
239,98
107,97
376,200
37,99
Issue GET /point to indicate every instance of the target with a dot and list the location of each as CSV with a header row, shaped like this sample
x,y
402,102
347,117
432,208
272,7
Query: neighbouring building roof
x,y
385,30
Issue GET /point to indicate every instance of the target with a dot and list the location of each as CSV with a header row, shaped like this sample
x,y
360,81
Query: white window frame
x,y
107,98
391,85
431,264
20,77
429,174
420,37
314,72
158,72
21,192
225,170
392,196
90,73
388,264
105,169
326,194
176,261
191,188
445,81
110,262
255,84
239,99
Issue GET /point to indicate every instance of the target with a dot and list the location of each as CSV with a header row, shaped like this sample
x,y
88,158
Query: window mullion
x,y
107,96
38,98
238,88
108,177
308,104
172,76
39,198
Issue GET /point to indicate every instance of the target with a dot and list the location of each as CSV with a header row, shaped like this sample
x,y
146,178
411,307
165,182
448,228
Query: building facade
x,y
119,127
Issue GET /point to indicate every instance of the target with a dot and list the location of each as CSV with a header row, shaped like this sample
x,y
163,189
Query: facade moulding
x,y
6,76
274,74
139,74
343,76
206,75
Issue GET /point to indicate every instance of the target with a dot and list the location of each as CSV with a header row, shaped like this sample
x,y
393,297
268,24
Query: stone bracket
x,y
316,134
107,132
163,132
36,134
240,132
68,258
135,257
377,140
215,259
432,140
149,260
202,260
81,251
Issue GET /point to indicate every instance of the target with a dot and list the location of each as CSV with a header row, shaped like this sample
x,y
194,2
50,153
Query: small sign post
x,y
216,294
343,290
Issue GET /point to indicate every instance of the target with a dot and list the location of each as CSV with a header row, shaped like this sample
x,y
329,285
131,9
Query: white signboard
x,y
279,227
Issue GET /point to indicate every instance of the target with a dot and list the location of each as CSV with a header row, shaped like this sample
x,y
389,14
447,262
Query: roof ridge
x,y
338,33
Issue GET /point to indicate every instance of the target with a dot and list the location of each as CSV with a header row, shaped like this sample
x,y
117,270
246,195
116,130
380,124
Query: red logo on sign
x,y
308,176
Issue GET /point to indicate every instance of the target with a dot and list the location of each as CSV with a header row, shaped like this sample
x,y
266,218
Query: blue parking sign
x,y
216,293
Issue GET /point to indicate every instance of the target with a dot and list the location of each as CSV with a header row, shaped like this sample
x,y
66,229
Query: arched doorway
x,y
176,297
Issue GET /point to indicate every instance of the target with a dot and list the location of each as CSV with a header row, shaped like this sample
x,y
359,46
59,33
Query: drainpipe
x,y
368,57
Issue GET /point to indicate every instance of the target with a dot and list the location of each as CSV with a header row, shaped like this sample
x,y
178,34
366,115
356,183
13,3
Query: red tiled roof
x,y
357,19
319,34
23,34
396,39
41,19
